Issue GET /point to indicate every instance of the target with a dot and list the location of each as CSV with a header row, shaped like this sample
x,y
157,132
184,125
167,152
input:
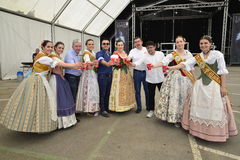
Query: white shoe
x,y
177,125
150,114
95,114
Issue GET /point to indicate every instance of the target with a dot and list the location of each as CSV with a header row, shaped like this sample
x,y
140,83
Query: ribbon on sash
x,y
207,70
178,60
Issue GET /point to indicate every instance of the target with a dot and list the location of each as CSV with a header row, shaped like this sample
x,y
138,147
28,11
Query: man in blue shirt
x,y
104,76
73,75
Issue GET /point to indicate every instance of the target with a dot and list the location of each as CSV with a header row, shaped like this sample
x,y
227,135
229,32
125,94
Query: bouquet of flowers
x,y
120,63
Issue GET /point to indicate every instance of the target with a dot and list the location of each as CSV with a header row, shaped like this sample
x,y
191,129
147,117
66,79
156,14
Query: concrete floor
x,y
123,136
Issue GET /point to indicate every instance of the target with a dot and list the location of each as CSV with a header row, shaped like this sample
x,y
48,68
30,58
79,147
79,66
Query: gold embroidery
x,y
178,60
207,70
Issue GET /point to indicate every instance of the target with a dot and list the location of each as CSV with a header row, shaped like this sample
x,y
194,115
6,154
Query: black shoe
x,y
138,110
104,114
78,119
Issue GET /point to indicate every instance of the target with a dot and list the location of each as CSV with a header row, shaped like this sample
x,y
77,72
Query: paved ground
x,y
123,136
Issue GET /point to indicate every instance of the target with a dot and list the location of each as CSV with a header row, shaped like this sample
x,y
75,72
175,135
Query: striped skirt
x,y
28,109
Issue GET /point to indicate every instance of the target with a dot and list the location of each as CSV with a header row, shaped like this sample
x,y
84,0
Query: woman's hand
x,y
170,67
223,91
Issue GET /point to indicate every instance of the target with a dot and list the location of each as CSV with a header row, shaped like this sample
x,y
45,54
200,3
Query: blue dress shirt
x,y
103,55
72,57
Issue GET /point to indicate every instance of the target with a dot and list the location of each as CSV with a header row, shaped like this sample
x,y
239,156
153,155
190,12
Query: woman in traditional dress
x,y
208,113
175,87
122,94
88,90
32,106
65,103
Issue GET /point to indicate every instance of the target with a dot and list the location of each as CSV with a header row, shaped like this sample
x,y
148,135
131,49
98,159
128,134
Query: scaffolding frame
x,y
188,6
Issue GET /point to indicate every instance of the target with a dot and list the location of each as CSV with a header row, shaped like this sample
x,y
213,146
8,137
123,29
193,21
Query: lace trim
x,y
213,123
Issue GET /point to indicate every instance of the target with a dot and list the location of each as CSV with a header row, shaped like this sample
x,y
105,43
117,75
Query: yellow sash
x,y
92,58
37,67
207,70
178,60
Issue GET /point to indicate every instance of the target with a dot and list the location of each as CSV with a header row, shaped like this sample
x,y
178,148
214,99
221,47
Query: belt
x,y
105,74
71,75
108,75
139,70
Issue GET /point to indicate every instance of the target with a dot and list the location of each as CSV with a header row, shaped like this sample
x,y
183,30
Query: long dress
x,y
122,94
66,107
206,114
173,93
88,90
31,107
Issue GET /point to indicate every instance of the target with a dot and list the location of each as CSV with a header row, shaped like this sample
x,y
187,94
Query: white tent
x,y
25,23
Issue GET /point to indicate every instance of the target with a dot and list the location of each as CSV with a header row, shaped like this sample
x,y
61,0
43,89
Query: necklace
x,y
205,54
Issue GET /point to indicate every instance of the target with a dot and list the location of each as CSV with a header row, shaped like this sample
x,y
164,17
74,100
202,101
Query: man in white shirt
x,y
154,76
139,72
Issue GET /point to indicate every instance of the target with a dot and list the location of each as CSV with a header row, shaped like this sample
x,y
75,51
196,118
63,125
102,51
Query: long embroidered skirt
x,y
65,103
122,94
173,94
28,109
207,115
88,93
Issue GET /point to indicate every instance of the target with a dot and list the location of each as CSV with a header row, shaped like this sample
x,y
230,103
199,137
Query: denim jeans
x,y
104,83
139,78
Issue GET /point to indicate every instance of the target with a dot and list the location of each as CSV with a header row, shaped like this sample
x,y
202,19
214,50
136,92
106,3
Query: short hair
x,y
150,43
44,43
76,41
105,39
207,37
137,38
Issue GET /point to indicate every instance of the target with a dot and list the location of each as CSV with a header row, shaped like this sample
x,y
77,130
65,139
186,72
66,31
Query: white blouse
x,y
213,56
48,61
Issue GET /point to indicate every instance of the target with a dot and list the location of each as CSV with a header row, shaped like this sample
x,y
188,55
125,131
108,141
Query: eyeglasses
x,y
105,43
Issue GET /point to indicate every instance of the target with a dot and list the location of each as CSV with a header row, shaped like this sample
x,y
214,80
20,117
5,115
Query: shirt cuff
x,y
54,64
100,58
222,71
187,67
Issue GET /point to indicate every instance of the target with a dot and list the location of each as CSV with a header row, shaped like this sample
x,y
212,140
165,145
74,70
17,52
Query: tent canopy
x,y
89,16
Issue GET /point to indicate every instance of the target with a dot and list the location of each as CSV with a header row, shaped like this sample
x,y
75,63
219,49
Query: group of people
x,y
50,99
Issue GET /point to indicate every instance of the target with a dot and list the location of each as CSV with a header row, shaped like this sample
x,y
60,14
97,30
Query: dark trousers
x,y
104,83
139,78
73,83
152,89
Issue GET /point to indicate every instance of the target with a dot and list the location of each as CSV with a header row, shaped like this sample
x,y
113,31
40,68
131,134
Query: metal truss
x,y
155,3
199,1
182,6
224,28
175,17
133,22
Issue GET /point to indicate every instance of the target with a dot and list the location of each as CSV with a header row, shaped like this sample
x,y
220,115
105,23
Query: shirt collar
x,y
75,53
107,52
